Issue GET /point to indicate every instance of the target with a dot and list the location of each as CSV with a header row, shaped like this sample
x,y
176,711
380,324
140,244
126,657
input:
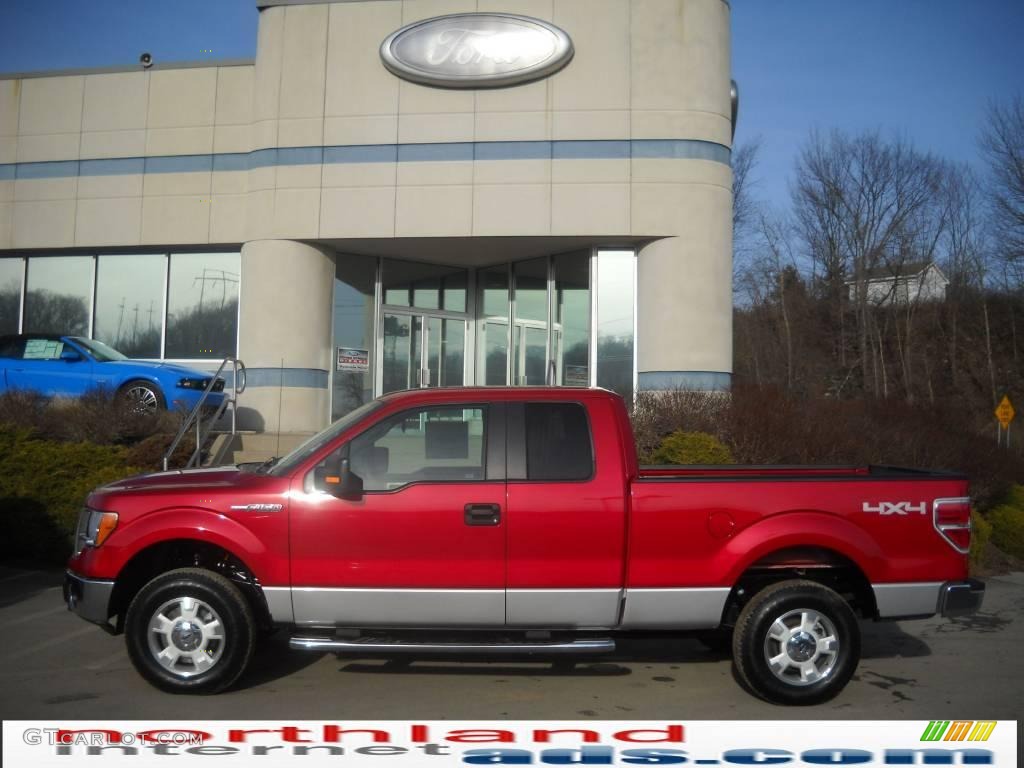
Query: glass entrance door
x,y
421,350
530,354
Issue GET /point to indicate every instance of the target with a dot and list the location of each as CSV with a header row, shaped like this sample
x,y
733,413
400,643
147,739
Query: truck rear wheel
x,y
796,642
190,631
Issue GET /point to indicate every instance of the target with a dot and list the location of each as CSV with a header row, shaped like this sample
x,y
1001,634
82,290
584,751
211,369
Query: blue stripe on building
x,y
678,149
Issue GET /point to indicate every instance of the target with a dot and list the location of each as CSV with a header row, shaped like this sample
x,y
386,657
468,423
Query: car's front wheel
x,y
142,397
190,631
796,642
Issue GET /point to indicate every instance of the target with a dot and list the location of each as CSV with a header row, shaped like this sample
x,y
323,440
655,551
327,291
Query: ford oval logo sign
x,y
476,50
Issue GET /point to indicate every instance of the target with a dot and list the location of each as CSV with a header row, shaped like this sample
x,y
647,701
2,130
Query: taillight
x,y
952,518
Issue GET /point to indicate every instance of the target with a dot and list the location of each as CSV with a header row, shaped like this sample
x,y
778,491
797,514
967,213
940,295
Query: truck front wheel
x,y
796,642
190,631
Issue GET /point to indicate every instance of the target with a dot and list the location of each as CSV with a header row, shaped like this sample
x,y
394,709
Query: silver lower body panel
x,y
563,608
696,608
433,608
656,608
279,603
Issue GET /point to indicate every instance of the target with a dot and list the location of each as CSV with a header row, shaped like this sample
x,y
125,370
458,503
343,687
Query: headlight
x,y
193,383
94,527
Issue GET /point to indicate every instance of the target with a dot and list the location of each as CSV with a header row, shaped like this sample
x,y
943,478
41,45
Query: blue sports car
x,y
70,366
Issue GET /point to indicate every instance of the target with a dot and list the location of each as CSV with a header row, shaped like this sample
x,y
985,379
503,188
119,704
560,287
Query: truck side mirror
x,y
339,480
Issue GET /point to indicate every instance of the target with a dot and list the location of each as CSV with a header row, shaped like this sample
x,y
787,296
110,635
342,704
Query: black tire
x,y
216,607
142,397
809,670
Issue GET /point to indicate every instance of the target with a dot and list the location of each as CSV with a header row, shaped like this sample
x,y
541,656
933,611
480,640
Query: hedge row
x,y
54,451
43,485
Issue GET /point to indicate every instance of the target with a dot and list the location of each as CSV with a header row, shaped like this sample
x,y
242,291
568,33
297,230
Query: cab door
x,y
566,515
425,544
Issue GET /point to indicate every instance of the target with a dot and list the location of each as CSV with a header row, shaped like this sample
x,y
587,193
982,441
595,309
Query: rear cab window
x,y
558,442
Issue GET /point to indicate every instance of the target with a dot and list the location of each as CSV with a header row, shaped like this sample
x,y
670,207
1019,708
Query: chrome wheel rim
x,y
801,647
141,399
186,636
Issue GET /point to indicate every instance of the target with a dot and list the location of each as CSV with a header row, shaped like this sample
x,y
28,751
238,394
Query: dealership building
x,y
393,194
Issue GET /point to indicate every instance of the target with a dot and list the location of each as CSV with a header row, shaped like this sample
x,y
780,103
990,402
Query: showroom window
x,y
354,313
58,295
615,321
539,331
180,306
12,273
424,286
130,303
571,309
202,305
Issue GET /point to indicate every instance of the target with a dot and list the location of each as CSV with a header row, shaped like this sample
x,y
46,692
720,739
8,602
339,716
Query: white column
x,y
684,298
284,336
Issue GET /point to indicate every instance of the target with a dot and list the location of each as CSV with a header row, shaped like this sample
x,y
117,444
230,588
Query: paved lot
x,y
53,664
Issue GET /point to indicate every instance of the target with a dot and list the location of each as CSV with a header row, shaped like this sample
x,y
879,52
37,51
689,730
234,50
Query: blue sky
x,y
923,69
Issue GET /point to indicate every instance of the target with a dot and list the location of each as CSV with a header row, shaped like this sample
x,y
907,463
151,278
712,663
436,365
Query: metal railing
x,y
195,416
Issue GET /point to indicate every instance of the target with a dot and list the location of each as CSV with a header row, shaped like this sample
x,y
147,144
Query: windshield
x,y
99,351
318,441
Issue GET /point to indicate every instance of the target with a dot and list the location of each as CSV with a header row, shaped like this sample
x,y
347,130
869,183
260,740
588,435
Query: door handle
x,y
483,514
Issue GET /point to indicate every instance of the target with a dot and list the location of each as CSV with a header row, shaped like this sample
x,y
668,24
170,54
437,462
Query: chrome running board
x,y
511,647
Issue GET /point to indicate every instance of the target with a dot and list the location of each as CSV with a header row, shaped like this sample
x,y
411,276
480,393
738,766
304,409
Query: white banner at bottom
x,y
429,744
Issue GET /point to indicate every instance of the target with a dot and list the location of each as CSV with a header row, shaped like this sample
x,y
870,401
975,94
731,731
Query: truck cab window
x,y
439,445
558,445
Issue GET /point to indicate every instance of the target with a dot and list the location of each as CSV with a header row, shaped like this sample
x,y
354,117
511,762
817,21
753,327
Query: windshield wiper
x,y
268,464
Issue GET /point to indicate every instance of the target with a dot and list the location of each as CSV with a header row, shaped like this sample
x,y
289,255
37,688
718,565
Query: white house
x,y
902,283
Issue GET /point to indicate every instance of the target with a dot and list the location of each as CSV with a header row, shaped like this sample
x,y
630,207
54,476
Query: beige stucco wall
x,y
643,70
125,115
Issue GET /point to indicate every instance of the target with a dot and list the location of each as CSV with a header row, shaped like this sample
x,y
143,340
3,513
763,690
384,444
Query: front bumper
x,y
89,598
961,598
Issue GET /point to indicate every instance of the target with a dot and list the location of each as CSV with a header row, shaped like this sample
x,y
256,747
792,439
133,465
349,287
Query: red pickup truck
x,y
514,521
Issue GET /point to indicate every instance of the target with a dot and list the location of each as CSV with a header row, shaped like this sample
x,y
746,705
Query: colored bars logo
x,y
958,730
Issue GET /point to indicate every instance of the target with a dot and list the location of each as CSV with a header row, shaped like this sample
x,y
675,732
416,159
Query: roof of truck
x,y
448,394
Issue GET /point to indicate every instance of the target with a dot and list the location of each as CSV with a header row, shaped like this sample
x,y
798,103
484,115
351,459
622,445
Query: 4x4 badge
x,y
896,508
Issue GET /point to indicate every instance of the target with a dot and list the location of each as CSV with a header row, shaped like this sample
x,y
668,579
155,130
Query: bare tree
x,y
1002,142
964,263
745,207
865,204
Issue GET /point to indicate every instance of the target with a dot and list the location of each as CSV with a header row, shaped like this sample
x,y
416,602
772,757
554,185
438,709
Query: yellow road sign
x,y
1004,412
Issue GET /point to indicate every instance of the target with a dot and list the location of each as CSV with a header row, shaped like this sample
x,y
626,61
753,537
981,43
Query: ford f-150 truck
x,y
514,521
